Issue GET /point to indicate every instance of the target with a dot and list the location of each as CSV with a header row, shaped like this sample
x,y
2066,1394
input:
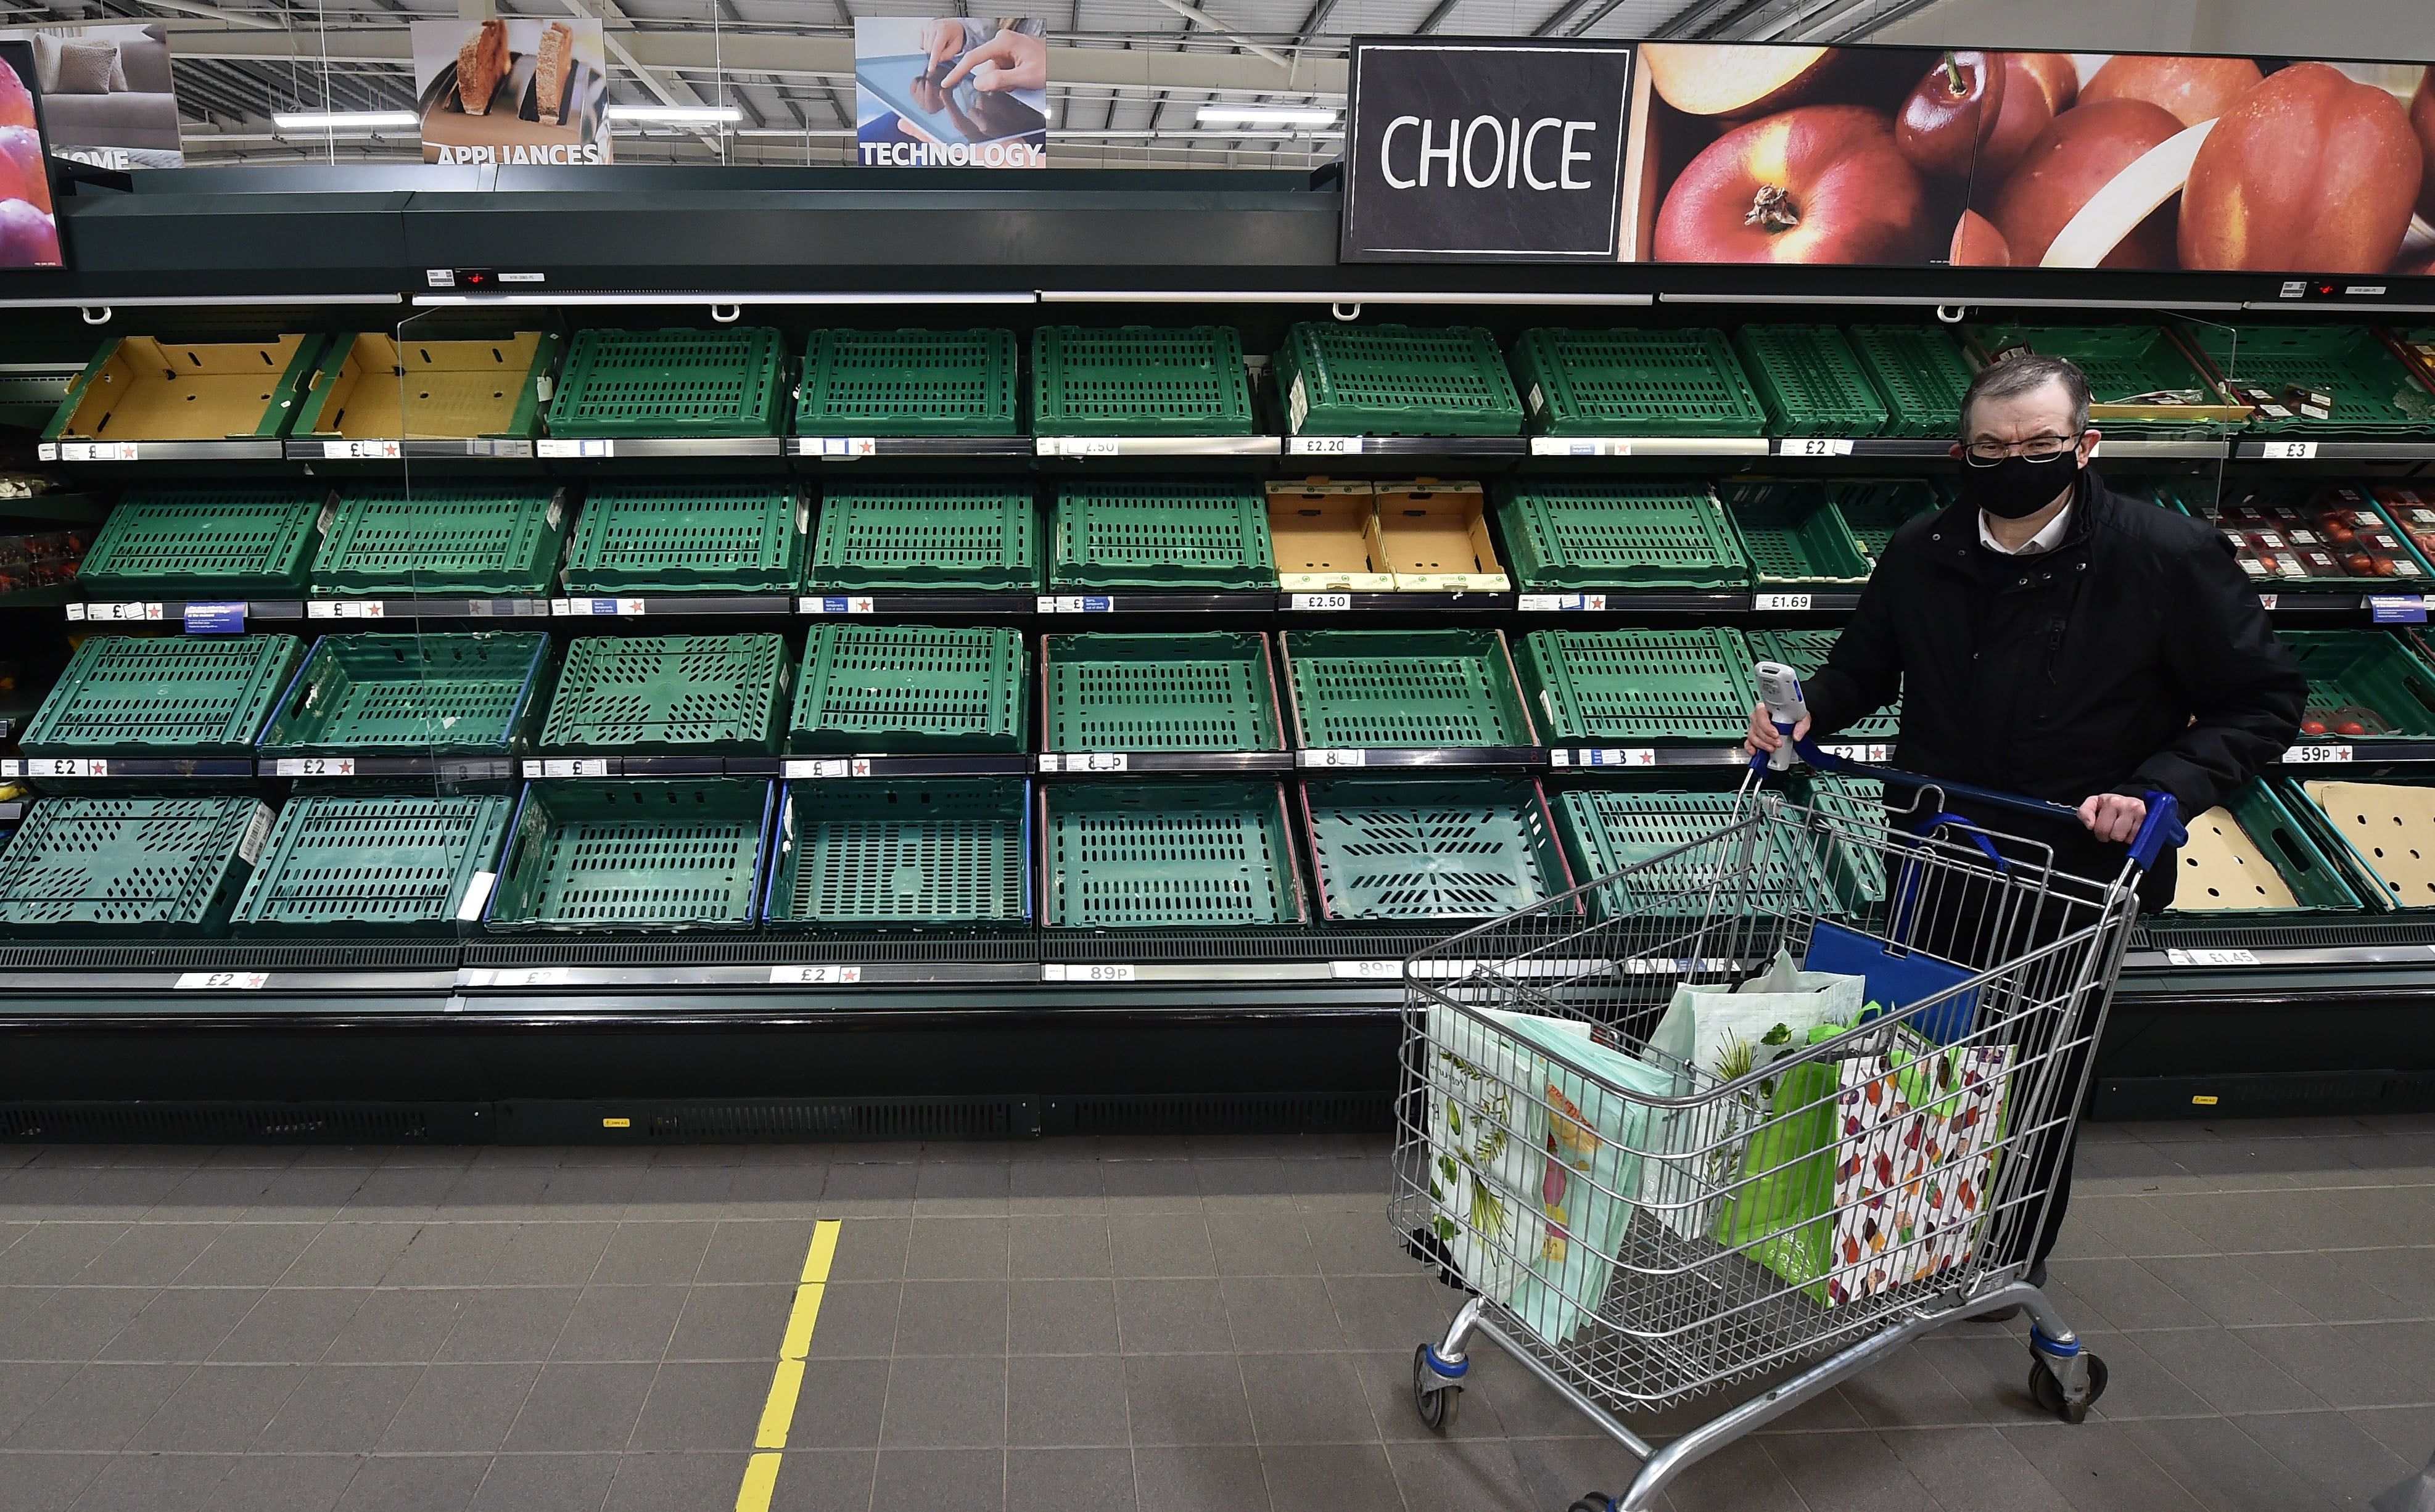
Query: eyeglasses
x,y
2037,449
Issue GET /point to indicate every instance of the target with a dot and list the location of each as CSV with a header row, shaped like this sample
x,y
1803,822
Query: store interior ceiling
x,y
1128,79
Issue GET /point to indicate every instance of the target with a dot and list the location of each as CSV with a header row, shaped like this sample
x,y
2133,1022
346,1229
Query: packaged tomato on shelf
x,y
2347,719
2357,533
2411,510
2262,542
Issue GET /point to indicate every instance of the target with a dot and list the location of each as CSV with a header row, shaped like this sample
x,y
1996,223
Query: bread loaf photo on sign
x,y
480,64
557,64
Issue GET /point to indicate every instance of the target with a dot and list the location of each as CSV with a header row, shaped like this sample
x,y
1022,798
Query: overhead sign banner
x,y
511,91
1486,151
964,92
107,94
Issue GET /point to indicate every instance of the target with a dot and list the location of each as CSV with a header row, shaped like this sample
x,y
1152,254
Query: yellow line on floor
x,y
786,1383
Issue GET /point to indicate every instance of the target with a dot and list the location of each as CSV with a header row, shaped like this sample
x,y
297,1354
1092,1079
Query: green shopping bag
x,y
1777,1211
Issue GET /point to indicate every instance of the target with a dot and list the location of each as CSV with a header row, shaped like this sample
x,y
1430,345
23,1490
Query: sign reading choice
x,y
1486,151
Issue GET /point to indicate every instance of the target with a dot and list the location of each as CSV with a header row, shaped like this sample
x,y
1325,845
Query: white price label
x,y
574,448
346,608
1604,756
1322,603
577,766
1107,761
356,451
1790,602
814,975
1563,603
1580,446
1332,758
1088,973
257,831
1075,604
1078,446
1323,446
13,768
529,976
222,981
66,766
803,770
837,448
2309,755
113,613
1871,754
1366,971
1813,446
2269,601
599,608
314,766
97,451
2225,957
2288,451
833,604
532,768
478,892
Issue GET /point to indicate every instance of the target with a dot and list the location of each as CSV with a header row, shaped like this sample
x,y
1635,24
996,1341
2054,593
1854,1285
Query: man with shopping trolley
x,y
2050,637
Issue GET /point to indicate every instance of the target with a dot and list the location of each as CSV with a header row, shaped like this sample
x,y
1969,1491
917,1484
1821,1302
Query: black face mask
x,y
2016,487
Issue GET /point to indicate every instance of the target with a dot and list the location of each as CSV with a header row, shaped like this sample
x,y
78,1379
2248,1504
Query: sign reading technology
x,y
962,92
1486,151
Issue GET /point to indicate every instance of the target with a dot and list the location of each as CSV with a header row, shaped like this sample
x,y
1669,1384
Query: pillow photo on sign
x,y
89,68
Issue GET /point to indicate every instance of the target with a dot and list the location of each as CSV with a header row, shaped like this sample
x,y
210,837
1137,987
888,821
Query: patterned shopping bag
x,y
1920,1125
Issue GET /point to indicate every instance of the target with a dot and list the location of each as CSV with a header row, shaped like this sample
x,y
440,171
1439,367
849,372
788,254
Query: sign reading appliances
x,y
1485,150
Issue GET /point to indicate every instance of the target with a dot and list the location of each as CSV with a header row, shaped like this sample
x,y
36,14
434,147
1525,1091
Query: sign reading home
x,y
1485,150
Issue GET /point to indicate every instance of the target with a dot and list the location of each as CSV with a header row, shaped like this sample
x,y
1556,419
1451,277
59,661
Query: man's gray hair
x,y
2026,372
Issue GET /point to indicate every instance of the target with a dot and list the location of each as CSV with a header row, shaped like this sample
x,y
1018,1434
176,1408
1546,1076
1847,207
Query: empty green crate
x,y
1211,691
1619,535
1805,652
192,696
597,853
139,867
1920,372
231,542
670,695
1795,537
895,688
448,538
342,866
1639,685
1395,380
2373,391
1809,380
2122,361
696,538
1608,829
1139,380
1211,535
1464,847
1636,383
1166,855
908,382
471,695
1848,850
1874,510
1376,690
936,852
730,382
911,536
2366,669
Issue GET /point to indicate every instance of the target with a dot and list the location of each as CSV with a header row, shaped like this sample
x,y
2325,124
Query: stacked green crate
x,y
602,854
1661,835
225,543
1152,536
1575,536
447,538
2369,678
908,382
1875,508
1639,685
194,696
927,537
1636,383
129,867
1375,690
1213,692
348,865
474,695
1394,379
693,537
1794,535
1459,848
1139,380
670,696
1922,373
1168,855
933,852
899,689
1810,381
672,383
2373,390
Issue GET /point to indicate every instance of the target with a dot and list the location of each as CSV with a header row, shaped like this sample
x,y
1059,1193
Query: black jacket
x,y
2133,656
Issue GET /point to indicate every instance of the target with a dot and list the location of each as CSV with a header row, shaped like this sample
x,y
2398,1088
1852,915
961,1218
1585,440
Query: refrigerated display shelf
x,y
2376,394
1454,849
650,855
936,853
1200,692
342,866
443,538
908,382
671,383
128,866
670,696
431,696
1394,379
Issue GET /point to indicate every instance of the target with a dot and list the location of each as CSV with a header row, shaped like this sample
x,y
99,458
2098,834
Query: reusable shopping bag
x,y
1775,1212
1487,1126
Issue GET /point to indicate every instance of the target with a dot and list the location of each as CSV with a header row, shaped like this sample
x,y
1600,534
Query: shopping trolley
x,y
1638,1230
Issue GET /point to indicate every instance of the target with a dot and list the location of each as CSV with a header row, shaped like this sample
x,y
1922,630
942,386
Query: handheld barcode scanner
x,y
1779,688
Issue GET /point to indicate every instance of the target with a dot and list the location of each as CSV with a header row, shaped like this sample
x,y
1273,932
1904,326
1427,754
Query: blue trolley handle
x,y
1780,688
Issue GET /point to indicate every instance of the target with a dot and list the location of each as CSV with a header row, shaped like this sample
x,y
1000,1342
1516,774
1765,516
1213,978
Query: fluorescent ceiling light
x,y
1263,115
686,113
342,120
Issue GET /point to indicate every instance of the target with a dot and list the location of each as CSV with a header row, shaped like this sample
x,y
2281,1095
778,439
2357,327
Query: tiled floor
x,y
1082,1326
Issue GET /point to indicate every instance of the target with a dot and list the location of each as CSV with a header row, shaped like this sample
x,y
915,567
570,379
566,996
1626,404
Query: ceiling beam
x,y
669,91
1193,13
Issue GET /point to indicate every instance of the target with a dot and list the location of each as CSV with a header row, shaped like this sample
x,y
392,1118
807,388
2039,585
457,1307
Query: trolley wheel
x,y
2047,1392
1438,1402
1593,1501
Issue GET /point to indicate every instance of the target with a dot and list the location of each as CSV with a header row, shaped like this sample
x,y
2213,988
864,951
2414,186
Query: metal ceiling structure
x,y
1127,77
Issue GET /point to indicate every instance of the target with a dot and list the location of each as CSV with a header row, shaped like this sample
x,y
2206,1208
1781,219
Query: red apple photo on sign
x,y
1763,153
29,237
